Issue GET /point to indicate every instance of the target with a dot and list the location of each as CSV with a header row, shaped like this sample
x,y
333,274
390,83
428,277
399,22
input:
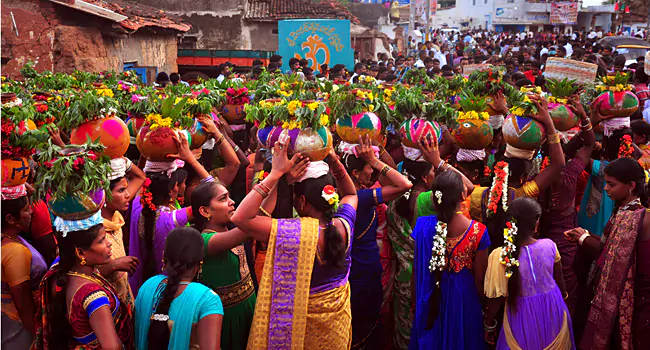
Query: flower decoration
x,y
88,106
439,249
146,199
509,248
614,83
473,115
438,195
545,163
17,140
626,149
499,189
237,96
330,196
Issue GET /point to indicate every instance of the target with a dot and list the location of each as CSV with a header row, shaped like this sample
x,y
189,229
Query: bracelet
x,y
583,237
490,328
266,213
219,142
385,170
265,187
207,179
588,129
553,139
566,295
442,164
259,190
236,148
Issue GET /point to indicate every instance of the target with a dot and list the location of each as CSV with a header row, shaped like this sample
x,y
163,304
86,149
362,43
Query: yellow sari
x,y
321,320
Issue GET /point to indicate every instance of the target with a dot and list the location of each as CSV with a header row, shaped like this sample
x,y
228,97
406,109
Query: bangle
x,y
490,328
259,190
236,148
442,163
219,142
588,129
264,187
266,213
207,179
385,170
553,139
583,237
566,295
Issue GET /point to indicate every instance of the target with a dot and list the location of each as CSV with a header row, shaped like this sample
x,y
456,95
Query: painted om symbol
x,y
313,45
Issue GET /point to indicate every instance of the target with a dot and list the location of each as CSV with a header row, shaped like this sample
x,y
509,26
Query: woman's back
x,y
536,263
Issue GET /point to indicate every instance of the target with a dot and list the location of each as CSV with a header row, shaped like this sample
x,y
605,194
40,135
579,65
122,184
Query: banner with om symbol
x,y
319,41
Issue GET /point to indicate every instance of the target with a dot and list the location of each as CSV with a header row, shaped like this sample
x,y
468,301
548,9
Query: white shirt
x,y
221,78
419,64
592,35
569,50
441,57
600,34
543,51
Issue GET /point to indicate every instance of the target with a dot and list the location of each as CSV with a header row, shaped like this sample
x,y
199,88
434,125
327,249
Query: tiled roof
x,y
139,15
274,10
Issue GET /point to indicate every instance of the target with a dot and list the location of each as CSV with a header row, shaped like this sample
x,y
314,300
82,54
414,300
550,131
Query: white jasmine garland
x,y
504,196
509,248
439,248
17,103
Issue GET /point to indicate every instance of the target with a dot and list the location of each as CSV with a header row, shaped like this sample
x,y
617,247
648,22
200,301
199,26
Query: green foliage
x,y
88,106
470,102
562,88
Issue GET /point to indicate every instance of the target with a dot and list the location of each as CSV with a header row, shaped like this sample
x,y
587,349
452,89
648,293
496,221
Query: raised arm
x,y
228,173
587,132
394,183
431,154
557,161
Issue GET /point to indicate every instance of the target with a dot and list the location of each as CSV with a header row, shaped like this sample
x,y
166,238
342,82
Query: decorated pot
x,y
156,145
413,130
78,206
350,128
272,137
473,134
263,134
15,171
234,114
523,132
315,145
563,117
111,131
199,136
617,104
133,124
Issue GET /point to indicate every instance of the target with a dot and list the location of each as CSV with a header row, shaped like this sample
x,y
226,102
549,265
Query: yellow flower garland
x,y
473,115
156,121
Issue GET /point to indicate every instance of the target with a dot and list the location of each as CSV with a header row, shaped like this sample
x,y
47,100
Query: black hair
x,y
312,190
358,66
641,127
525,212
61,331
162,77
257,62
473,170
159,188
415,172
174,77
612,143
275,58
351,162
293,61
450,185
114,183
628,170
183,252
273,66
201,197
12,207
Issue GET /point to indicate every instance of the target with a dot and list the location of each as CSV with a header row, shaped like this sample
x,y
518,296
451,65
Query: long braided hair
x,y
183,252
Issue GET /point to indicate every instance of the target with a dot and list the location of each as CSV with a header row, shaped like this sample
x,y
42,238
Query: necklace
x,y
84,276
11,238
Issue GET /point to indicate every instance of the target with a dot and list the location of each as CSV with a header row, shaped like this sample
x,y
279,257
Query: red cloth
x,y
530,76
41,222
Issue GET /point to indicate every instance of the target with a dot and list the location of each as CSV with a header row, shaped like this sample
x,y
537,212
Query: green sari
x,y
228,275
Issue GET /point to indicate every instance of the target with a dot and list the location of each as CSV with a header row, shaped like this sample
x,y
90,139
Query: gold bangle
x,y
266,213
588,129
553,139
265,187
385,170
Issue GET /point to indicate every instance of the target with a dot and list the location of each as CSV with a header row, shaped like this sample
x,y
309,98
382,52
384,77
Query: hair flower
x,y
330,196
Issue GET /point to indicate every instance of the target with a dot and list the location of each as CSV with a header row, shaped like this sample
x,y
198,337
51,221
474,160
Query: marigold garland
x,y
509,248
499,189
146,198
545,163
626,149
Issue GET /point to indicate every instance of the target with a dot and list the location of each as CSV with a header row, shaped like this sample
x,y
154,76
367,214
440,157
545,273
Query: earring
x,y
163,265
209,217
83,261
199,275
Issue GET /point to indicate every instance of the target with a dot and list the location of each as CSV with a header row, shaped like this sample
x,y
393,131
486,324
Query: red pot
x,y
234,114
156,145
111,131
15,171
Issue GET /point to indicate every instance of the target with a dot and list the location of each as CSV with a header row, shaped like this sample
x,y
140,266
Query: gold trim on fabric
x,y
561,342
374,215
236,293
92,297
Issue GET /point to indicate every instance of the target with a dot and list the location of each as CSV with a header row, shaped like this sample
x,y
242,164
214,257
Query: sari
x,y
186,310
119,279
87,299
303,302
612,308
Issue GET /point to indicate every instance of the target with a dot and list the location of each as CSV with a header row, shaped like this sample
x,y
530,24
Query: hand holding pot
x,y
430,151
209,126
281,164
542,115
499,105
298,168
596,117
576,107
364,150
55,134
184,152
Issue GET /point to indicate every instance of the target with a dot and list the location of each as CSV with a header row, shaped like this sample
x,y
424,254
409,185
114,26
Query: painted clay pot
x,y
15,171
134,124
156,145
112,133
617,104
523,132
350,128
234,114
263,134
413,130
272,137
473,134
78,206
199,136
313,144
563,117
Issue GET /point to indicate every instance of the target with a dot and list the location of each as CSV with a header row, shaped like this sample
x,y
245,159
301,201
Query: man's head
x,y
277,59
510,66
428,63
373,71
294,63
360,68
175,78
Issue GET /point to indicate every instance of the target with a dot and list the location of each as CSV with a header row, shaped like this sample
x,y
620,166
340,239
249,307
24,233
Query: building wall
x,y
263,36
48,37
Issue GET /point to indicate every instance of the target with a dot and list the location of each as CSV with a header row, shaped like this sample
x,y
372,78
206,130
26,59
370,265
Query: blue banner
x,y
319,41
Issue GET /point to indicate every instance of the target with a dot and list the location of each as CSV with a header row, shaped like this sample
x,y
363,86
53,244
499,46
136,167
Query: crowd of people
x,y
382,243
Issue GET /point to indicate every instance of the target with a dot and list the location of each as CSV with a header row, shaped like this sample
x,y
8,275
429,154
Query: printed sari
x,y
291,312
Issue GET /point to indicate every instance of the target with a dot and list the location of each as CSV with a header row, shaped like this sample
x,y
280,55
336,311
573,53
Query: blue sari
x,y
196,301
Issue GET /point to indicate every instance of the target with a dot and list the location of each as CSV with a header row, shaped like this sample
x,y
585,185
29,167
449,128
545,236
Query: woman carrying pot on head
x,y
22,270
225,265
450,262
126,179
619,286
489,205
152,217
77,307
173,311
526,274
364,167
311,253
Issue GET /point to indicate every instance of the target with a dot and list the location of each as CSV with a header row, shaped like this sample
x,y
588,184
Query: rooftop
x,y
274,10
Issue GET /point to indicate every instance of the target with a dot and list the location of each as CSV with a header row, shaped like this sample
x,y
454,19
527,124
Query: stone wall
x,y
62,40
